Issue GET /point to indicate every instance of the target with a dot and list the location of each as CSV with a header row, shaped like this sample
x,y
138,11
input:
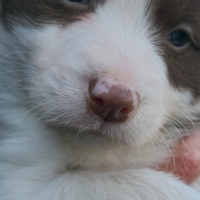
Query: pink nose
x,y
112,102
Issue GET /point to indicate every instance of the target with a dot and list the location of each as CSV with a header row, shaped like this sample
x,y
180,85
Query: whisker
x,y
186,117
35,107
44,114
13,84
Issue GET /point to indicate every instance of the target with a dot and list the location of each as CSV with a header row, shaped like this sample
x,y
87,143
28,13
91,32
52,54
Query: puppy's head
x,y
113,70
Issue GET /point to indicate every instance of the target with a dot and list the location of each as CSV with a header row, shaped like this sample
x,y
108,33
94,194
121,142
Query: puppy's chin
x,y
106,134
82,133
88,138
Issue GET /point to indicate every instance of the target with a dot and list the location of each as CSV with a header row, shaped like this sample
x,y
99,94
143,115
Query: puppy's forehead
x,y
48,11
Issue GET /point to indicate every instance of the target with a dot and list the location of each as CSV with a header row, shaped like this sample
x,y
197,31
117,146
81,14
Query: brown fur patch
x,y
183,65
37,12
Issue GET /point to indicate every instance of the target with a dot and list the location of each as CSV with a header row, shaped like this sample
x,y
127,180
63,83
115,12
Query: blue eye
x,y
78,1
179,38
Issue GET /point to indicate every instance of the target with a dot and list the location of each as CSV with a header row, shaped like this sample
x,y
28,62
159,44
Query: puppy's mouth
x,y
91,127
94,126
101,136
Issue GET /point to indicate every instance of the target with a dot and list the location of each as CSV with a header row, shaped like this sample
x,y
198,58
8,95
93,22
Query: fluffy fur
x,y
51,145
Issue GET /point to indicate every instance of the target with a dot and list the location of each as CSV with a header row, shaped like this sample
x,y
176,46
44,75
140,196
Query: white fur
x,y
45,75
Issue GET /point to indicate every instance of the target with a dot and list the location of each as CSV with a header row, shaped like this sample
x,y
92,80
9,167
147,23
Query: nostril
x,y
125,110
98,100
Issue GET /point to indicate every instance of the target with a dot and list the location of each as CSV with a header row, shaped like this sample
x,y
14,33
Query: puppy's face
x,y
116,70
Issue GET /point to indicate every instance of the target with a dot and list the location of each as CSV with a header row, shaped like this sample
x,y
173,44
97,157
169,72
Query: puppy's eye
x,y
179,38
78,1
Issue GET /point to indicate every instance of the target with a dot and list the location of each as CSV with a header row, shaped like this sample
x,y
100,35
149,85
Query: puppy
x,y
93,94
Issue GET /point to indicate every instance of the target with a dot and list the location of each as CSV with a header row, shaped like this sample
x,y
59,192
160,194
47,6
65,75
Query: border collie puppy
x,y
93,94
